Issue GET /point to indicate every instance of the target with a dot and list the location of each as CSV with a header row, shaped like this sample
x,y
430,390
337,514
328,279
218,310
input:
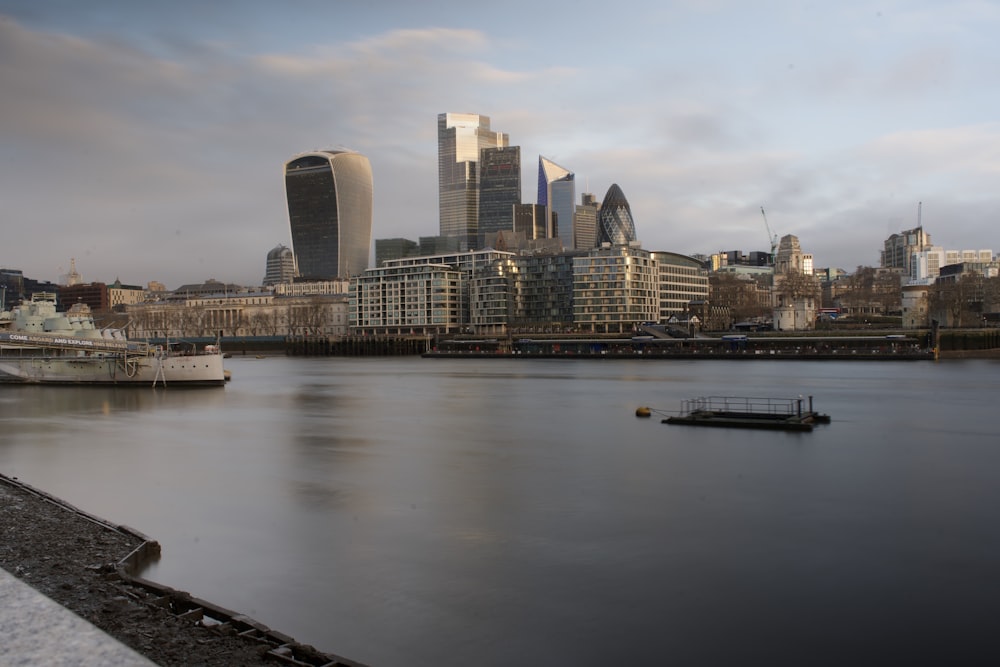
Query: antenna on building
x,y
920,207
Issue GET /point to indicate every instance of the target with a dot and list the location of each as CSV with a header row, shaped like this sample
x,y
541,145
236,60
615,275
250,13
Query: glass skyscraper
x,y
499,191
329,197
585,222
461,138
557,192
614,219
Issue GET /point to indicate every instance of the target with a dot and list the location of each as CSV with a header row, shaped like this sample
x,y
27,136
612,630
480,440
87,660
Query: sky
x,y
146,141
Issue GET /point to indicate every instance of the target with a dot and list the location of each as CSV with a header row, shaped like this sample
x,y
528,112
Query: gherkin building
x,y
614,220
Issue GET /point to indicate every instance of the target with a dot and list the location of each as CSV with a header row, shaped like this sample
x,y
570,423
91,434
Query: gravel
x,y
83,563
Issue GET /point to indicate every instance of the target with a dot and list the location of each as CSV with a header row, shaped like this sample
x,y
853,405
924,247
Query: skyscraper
x,y
531,220
499,190
585,222
614,220
280,266
900,248
330,212
461,138
557,192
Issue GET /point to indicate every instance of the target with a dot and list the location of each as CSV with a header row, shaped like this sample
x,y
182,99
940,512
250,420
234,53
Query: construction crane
x,y
772,238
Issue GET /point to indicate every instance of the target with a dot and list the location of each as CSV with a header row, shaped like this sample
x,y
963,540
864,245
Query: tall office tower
x,y
461,138
557,192
499,190
585,222
330,212
280,266
532,220
898,249
614,220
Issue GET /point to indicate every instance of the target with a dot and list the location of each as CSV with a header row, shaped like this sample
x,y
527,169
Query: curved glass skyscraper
x,y
329,197
614,220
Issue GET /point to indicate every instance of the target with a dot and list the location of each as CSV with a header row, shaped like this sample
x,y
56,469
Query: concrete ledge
x,y
35,630
43,631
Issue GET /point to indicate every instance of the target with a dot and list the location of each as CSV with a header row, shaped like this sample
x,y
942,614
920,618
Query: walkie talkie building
x,y
329,196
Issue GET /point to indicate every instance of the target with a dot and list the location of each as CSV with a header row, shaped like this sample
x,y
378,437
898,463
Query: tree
x,y
795,286
871,290
746,298
962,302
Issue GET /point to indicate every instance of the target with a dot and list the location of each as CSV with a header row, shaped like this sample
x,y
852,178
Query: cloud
x,y
174,164
158,156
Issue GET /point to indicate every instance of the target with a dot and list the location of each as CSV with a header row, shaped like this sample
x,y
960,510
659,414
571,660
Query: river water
x,y
401,511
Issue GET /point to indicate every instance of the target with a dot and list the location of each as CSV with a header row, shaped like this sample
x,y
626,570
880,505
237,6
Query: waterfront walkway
x,y
38,631
69,595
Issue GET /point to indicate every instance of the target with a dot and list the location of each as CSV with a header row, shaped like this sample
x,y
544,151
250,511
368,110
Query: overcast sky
x,y
146,140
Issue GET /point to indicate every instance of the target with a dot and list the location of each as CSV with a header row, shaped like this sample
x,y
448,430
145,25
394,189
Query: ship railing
x,y
747,405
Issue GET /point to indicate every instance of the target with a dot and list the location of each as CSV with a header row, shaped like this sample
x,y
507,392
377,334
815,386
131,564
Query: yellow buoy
x,y
643,412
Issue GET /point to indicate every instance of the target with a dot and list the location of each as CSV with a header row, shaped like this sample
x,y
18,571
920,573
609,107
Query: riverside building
x,y
529,293
238,316
496,293
682,279
796,290
614,288
417,295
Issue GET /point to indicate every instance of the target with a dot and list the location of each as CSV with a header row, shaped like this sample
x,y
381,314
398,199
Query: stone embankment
x,y
87,565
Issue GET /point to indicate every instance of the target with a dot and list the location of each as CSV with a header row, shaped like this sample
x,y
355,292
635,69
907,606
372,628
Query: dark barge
x,y
779,414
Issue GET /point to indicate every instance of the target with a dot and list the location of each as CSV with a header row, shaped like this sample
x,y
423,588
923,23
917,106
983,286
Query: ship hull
x,y
194,370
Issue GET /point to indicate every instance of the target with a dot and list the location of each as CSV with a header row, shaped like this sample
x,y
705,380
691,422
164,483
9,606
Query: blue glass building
x,y
557,192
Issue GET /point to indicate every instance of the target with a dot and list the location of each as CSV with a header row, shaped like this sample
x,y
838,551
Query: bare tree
x,y
795,285
745,298
871,290
962,302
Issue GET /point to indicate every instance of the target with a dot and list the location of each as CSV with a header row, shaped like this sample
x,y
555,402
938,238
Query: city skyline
x,y
161,130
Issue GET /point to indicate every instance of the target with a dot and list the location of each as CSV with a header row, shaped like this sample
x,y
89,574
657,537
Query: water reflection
x,y
325,446
32,401
485,512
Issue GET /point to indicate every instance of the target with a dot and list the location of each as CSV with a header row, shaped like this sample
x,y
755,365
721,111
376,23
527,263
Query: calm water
x,y
416,512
